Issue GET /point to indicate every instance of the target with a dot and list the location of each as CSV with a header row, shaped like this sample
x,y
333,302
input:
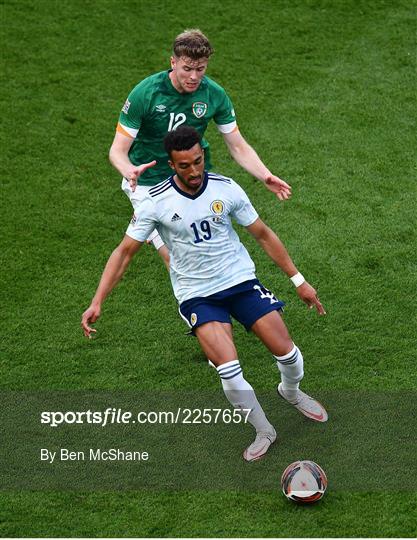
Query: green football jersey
x,y
155,107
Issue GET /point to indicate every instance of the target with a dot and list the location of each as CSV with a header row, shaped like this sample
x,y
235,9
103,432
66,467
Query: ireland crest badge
x,y
199,109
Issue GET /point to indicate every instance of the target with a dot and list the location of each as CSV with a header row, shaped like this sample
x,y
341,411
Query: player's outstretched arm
x,y
113,272
119,158
275,249
247,158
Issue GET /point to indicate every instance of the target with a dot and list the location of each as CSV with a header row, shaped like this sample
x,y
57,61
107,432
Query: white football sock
x,y
242,396
291,368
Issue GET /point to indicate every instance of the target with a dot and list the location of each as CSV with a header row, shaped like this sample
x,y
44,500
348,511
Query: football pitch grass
x,y
325,91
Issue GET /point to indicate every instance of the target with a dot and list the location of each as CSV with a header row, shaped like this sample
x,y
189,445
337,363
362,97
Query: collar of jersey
x,y
187,195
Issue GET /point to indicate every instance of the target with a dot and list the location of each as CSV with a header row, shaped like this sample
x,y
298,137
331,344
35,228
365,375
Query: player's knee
x,y
285,343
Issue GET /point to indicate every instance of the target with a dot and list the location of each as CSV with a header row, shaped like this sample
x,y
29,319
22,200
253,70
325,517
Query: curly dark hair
x,y
182,138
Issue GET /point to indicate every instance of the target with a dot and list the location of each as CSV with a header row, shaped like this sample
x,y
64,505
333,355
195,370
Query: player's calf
x,y
242,396
291,367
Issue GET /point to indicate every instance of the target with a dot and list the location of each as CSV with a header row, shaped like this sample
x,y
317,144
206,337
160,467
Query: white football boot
x,y
260,446
306,405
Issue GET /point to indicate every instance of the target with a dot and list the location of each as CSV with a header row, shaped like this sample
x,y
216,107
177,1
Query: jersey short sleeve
x,y
225,114
132,113
144,220
242,211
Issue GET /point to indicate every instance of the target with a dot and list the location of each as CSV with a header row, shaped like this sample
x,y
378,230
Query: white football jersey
x,y
206,255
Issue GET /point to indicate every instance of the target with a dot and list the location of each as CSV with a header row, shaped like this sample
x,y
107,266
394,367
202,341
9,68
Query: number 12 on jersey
x,y
204,229
175,120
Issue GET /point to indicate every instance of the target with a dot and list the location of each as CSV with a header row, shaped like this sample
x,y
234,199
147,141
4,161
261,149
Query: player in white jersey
x,y
214,279
198,233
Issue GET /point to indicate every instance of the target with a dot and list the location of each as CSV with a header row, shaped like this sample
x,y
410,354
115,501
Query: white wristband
x,y
298,279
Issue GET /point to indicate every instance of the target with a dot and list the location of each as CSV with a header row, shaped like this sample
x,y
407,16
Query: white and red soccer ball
x,y
304,482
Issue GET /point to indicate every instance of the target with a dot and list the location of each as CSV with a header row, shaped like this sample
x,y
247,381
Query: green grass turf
x,y
325,91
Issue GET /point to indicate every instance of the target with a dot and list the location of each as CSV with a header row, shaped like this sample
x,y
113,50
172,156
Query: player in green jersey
x,y
164,101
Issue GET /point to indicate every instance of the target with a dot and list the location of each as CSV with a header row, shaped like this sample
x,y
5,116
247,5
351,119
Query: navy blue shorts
x,y
246,302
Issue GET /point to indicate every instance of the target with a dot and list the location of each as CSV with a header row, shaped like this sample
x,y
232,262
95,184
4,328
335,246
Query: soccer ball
x,y
304,482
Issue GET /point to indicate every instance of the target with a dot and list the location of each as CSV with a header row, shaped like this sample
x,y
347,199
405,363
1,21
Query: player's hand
x,y
90,316
308,295
135,172
281,189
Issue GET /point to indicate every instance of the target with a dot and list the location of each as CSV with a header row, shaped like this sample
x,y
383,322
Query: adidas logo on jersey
x,y
176,217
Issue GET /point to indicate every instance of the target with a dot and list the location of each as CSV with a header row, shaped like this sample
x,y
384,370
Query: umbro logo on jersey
x,y
176,217
160,108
